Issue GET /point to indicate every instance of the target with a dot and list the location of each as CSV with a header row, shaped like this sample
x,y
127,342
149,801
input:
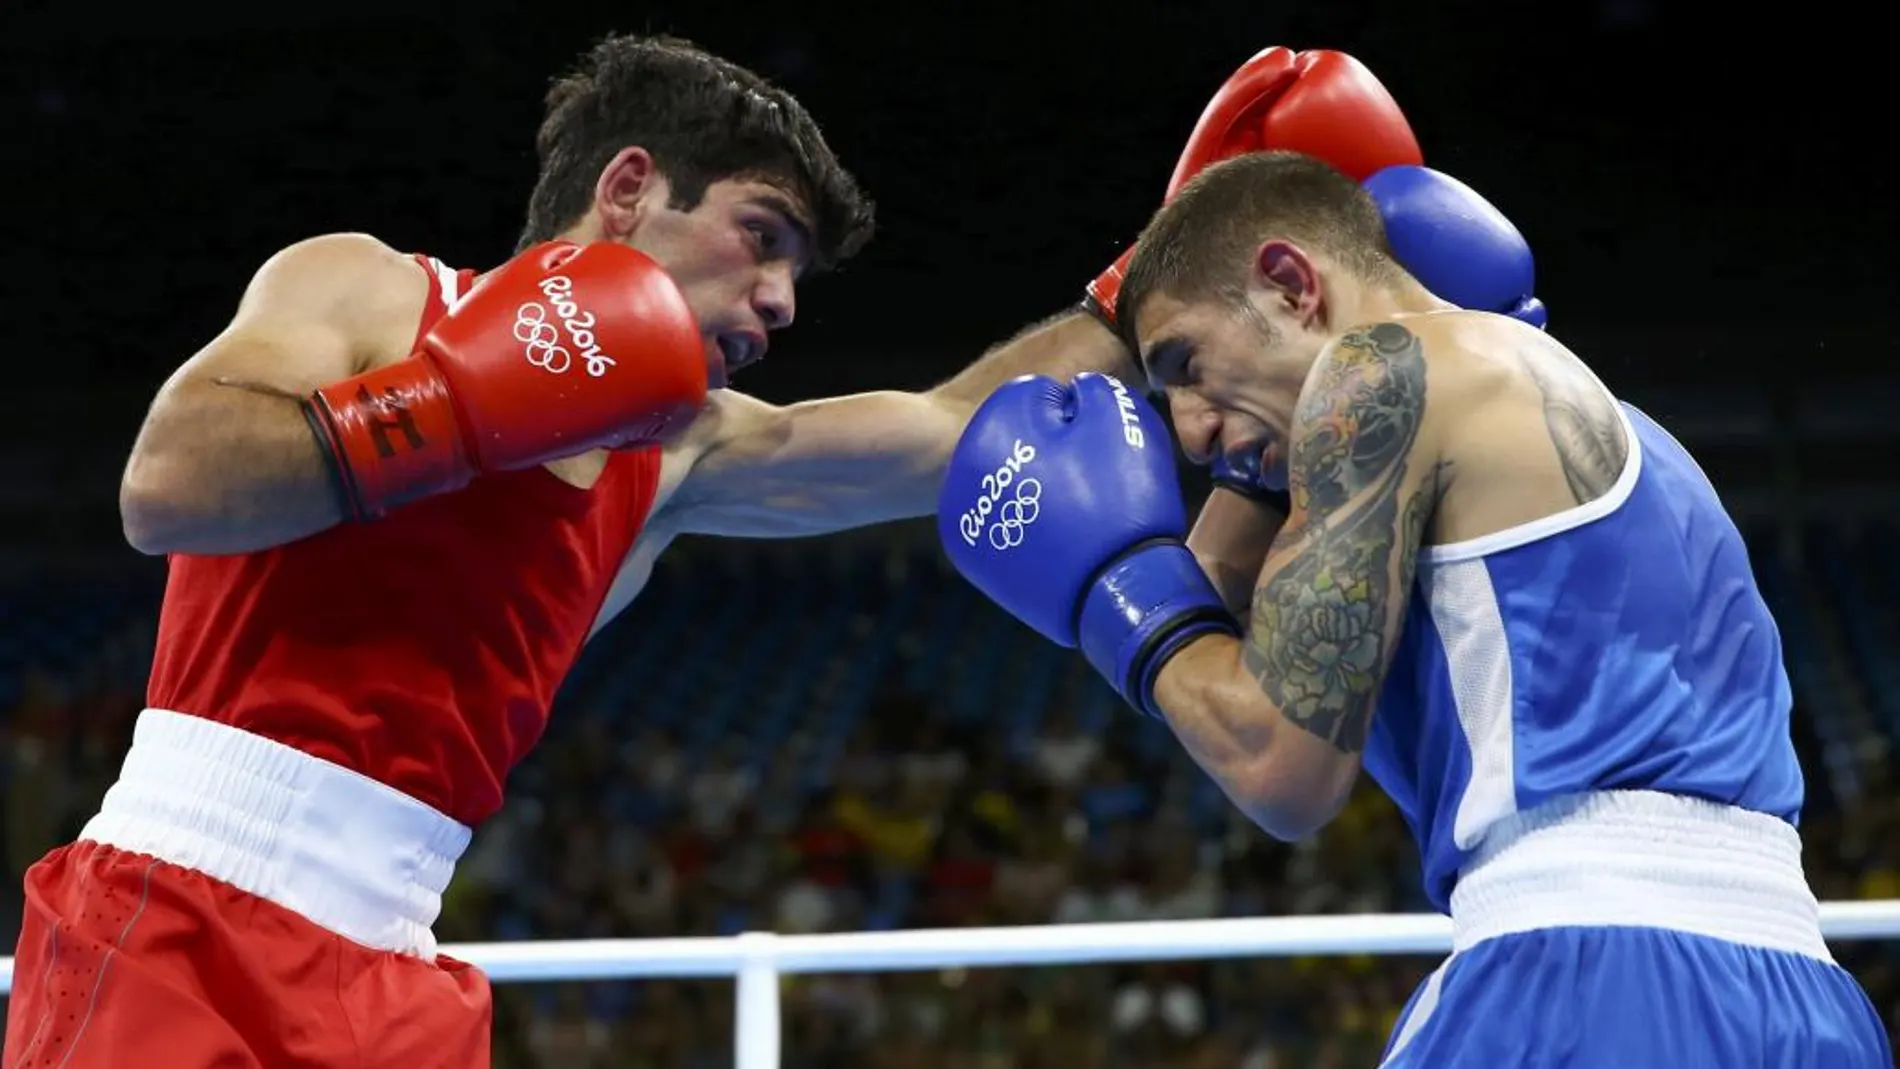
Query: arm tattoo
x,y
1418,514
1323,623
1583,427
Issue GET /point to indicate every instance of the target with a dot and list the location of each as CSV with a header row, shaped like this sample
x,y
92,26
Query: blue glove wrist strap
x,y
1141,610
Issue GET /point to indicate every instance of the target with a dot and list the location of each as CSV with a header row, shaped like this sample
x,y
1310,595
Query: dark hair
x,y
703,119
1201,243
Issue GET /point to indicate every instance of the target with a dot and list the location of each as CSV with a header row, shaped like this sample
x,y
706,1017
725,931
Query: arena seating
x,y
789,669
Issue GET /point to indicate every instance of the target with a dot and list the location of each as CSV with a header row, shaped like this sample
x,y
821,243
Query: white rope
x,y
1063,944
942,948
766,955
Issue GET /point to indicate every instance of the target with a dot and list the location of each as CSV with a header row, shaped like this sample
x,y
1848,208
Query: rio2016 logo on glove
x,y
542,338
1011,516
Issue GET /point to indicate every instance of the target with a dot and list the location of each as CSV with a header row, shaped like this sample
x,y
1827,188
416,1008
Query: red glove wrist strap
x,y
393,436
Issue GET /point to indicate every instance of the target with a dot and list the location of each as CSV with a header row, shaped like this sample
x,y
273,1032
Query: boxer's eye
x,y
763,238
1166,363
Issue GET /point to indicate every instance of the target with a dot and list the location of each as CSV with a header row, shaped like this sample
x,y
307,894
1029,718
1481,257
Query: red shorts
x,y
237,903
129,961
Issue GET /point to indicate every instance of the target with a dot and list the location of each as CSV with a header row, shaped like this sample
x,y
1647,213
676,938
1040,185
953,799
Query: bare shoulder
x,y
1446,364
1465,356
342,303
1368,391
345,278
1583,422
1525,415
1362,444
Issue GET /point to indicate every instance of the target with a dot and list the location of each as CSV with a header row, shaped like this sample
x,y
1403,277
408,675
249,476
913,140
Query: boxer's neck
x,y
1354,302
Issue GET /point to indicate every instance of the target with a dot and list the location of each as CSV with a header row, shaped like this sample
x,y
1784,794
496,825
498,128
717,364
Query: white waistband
x,y
357,857
1643,859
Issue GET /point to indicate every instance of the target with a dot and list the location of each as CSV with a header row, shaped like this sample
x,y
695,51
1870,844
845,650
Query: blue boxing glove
x,y
1455,243
1240,472
1061,505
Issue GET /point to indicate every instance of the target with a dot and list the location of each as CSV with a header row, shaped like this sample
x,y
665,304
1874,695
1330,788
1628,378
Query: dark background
x,y
1705,193
1713,216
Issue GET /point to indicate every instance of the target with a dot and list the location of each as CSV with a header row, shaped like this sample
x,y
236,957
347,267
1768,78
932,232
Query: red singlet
x,y
423,649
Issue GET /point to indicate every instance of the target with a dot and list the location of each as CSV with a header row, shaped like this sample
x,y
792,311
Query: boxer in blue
x,y
1515,600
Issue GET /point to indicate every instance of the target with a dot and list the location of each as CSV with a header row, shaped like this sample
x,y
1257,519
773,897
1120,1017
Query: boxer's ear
x,y
1291,278
624,192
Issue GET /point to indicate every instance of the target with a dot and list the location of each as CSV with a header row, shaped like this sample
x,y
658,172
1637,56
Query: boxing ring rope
x,y
758,959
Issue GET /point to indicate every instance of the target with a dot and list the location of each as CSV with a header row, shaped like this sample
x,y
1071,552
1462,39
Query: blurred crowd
x,y
926,822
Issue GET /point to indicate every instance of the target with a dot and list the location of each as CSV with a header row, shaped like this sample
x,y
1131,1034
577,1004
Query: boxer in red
x,y
397,498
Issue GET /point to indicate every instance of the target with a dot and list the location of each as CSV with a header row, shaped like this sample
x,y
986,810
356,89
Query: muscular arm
x,y
1230,539
1280,718
827,465
225,462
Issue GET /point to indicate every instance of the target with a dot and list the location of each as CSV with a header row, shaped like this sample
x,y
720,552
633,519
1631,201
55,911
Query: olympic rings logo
x,y
1022,503
542,339
1017,513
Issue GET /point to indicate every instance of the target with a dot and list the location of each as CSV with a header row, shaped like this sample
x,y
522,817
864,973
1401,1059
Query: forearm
x,y
1061,348
1230,539
821,466
1287,781
223,466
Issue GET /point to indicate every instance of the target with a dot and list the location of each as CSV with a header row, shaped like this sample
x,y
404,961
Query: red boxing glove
x,y
560,351
1321,103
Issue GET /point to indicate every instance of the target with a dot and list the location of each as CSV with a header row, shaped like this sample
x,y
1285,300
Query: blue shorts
x,y
1635,998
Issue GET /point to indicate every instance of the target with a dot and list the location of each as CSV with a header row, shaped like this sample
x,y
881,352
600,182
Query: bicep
x,y
1332,595
311,315
818,466
303,315
302,323
224,459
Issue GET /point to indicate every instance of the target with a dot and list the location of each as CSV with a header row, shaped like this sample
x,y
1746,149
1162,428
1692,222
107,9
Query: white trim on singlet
x,y
1470,626
449,280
